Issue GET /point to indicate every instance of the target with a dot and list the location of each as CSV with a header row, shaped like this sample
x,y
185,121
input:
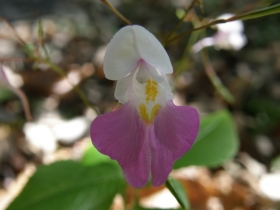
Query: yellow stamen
x,y
151,91
154,112
144,114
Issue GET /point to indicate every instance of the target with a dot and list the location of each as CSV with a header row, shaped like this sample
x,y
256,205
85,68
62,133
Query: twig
x,y
196,29
41,39
57,69
114,10
76,88
181,20
21,41
245,16
215,80
24,101
26,60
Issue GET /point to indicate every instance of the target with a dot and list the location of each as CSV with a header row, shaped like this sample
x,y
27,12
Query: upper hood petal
x,y
128,47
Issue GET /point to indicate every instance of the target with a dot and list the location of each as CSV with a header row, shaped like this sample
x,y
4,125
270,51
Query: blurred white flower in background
x,y
51,128
270,185
229,36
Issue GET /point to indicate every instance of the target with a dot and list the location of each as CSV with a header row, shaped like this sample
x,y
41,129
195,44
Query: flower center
x,y
148,118
149,109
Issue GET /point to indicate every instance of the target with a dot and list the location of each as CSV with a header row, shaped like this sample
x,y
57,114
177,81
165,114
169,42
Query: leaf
x,y
29,49
93,157
178,192
217,142
5,94
69,185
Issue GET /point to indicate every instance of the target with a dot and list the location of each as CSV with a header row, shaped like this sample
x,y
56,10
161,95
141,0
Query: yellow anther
x,y
154,112
143,113
151,91
148,118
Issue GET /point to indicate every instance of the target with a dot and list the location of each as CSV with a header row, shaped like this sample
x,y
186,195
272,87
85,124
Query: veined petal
x,y
122,136
175,130
128,47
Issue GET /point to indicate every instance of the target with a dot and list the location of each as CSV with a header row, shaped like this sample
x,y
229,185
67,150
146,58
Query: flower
x,y
148,133
4,83
229,36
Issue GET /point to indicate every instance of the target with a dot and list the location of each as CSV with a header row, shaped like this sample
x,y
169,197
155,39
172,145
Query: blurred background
x,y
76,33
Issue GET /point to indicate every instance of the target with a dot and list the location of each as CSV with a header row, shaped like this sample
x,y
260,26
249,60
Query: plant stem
x,y
59,71
181,20
114,10
248,15
215,80
24,101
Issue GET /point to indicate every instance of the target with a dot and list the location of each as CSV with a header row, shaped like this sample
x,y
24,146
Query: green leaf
x,y
69,185
5,94
178,192
29,49
217,142
93,157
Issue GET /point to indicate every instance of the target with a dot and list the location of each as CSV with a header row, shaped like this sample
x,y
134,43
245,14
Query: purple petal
x,y
176,128
123,137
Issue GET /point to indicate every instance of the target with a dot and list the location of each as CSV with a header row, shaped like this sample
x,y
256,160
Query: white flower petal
x,y
151,50
162,82
237,40
230,27
121,91
131,45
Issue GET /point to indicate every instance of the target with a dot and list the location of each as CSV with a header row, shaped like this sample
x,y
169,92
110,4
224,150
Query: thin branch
x,y
21,41
196,29
181,20
76,88
245,16
215,80
24,101
41,39
26,60
114,10
54,67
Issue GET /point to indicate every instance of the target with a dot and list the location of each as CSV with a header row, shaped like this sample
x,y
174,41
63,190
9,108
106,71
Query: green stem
x,y
59,71
196,29
114,10
181,20
249,15
215,80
